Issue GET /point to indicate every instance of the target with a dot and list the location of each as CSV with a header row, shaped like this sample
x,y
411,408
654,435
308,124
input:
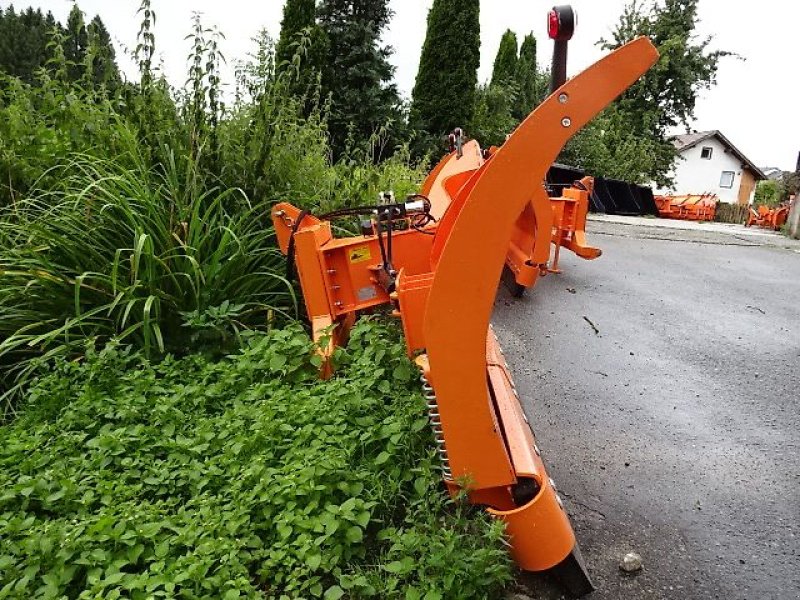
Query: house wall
x,y
748,187
696,175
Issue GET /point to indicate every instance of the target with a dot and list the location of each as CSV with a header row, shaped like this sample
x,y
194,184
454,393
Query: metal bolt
x,y
563,98
331,271
566,121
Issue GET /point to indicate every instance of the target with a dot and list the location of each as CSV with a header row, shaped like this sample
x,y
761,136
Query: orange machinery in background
x,y
769,218
690,207
437,258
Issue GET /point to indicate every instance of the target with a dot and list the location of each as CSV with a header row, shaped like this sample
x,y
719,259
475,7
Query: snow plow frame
x,y
442,280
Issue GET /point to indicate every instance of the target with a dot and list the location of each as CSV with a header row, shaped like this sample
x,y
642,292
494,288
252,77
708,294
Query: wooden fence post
x,y
793,223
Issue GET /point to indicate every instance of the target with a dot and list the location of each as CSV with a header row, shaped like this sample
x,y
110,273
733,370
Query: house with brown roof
x,y
708,163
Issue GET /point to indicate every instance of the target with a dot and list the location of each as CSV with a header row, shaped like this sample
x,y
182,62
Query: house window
x,y
706,152
726,181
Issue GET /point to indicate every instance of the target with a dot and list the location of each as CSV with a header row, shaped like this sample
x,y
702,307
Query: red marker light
x,y
553,24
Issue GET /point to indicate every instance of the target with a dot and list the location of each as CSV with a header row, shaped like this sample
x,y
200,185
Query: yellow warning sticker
x,y
360,254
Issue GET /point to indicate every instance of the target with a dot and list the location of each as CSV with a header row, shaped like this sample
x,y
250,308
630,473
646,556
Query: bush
x,y
140,254
168,244
246,477
42,126
274,143
494,113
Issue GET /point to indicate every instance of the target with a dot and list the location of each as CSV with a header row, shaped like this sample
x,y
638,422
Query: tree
x,y
531,82
76,43
303,47
23,42
665,97
494,119
104,70
298,16
495,102
505,63
28,40
444,93
608,147
767,193
773,192
357,76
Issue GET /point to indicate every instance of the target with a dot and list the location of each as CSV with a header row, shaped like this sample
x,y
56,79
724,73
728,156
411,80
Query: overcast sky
x,y
755,103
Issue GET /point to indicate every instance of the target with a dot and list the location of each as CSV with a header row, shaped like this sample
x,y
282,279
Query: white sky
x,y
755,103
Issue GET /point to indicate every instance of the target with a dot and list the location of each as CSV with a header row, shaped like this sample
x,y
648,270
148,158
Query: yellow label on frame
x,y
360,254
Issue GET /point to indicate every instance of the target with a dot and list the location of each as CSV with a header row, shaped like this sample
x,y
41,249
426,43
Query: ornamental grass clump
x,y
147,256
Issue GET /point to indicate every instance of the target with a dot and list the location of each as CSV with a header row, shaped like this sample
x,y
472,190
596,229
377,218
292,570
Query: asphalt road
x,y
674,431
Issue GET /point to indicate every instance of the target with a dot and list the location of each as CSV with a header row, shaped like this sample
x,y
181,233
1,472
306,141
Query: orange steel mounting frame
x,y
768,218
691,207
529,248
446,281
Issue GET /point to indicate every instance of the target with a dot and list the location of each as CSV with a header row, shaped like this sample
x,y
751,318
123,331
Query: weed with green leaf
x,y
247,477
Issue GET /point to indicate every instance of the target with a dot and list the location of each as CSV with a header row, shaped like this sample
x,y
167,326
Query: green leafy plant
x,y
241,478
124,253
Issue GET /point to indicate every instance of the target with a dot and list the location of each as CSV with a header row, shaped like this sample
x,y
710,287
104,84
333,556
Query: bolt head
x,y
562,98
566,122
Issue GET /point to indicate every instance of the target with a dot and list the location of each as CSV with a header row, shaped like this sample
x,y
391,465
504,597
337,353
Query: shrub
x,y
43,125
246,477
167,244
135,254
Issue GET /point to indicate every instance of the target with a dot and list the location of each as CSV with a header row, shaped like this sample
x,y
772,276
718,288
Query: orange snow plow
x,y
690,207
768,218
528,254
437,258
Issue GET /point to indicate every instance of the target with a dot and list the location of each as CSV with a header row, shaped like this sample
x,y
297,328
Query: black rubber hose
x,y
379,235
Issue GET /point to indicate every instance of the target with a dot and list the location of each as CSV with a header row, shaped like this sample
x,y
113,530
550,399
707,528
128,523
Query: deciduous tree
x,y
665,97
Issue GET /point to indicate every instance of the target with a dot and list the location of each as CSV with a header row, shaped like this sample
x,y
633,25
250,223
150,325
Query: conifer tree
x,y
444,92
104,67
531,84
357,76
23,42
76,43
303,47
505,63
298,16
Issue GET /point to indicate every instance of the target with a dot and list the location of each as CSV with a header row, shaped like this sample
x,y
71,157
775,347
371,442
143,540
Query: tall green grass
x,y
146,256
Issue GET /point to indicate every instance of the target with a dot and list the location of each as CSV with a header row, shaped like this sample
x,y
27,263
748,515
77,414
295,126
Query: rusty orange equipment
x,y
437,259
689,207
769,218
